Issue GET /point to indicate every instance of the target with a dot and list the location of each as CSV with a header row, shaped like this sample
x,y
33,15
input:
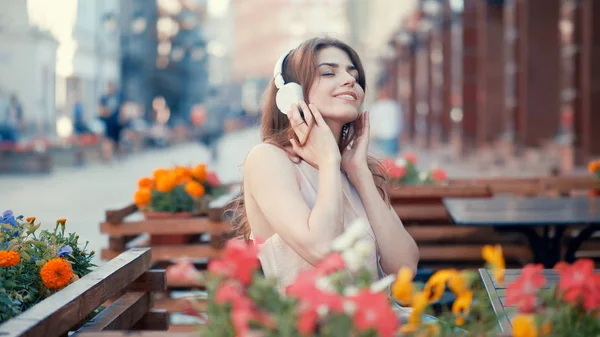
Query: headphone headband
x,y
278,71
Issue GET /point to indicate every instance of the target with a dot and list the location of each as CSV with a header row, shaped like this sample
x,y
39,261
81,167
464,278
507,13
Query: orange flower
x,y
594,166
145,183
199,172
159,173
183,174
56,273
9,258
62,221
30,219
142,197
165,183
195,189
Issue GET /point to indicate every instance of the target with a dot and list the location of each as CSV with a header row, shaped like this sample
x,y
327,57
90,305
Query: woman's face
x,y
335,90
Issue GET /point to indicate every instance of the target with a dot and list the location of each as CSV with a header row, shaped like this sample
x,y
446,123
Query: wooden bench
x,y
140,232
125,284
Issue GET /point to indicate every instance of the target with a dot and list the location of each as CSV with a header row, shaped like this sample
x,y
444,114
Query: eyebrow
x,y
335,65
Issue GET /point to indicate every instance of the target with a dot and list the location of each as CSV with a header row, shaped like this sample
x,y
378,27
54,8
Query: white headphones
x,y
287,93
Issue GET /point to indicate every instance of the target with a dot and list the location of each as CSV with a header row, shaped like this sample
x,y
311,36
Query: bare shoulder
x,y
266,155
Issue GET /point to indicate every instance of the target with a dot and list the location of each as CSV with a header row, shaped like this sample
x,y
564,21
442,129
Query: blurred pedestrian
x,y
110,113
386,124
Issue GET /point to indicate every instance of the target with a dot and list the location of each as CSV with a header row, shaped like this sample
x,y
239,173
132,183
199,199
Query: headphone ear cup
x,y
290,93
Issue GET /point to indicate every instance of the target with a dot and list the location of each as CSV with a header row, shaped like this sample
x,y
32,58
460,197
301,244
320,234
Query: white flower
x,y
322,310
349,307
383,284
423,176
363,248
324,284
353,260
351,291
350,235
401,162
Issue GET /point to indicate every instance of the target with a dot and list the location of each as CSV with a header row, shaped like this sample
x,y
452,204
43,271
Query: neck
x,y
335,127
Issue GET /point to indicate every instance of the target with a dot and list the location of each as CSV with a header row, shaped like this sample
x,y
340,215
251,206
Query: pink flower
x,y
332,263
522,292
397,172
438,175
373,311
578,283
212,179
411,158
239,261
184,271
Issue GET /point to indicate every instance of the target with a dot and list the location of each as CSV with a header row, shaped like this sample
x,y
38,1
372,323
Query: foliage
x,y
405,171
21,284
181,189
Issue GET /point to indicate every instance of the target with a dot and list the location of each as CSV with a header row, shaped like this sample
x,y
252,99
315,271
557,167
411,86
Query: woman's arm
x,y
396,247
271,181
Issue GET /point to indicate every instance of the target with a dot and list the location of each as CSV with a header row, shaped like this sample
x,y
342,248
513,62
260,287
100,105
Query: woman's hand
x,y
317,146
354,157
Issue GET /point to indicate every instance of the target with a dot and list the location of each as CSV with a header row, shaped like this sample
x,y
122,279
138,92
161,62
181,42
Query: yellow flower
x,y
436,285
493,256
462,307
56,273
429,330
524,326
459,282
9,258
403,289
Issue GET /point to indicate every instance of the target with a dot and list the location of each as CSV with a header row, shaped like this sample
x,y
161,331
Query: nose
x,y
348,80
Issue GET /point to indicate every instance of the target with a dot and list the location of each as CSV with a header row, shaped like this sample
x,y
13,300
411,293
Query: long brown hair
x,y
301,67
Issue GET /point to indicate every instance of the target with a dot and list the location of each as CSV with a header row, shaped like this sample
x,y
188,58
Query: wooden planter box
x,y
126,282
25,162
171,239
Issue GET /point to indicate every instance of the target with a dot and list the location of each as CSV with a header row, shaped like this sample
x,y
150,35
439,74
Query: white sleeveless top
x,y
281,261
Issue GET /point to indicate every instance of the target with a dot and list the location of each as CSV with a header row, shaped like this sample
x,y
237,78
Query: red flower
x,y
332,263
374,312
212,179
397,172
307,320
522,292
438,175
411,158
239,261
578,283
388,163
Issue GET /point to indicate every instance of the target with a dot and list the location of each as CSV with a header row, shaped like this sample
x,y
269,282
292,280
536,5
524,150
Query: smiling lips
x,y
347,96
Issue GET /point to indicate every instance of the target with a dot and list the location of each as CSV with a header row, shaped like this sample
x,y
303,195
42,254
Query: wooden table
x,y
497,293
527,215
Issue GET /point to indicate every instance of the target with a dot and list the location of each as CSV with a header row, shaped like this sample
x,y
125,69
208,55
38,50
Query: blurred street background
x,y
97,93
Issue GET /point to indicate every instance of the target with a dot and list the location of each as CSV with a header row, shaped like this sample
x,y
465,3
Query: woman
x,y
311,176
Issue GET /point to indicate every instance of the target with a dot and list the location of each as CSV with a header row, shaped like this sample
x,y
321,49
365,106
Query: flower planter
x,y
594,193
171,239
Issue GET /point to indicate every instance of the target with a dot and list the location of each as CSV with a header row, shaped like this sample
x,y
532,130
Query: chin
x,y
343,114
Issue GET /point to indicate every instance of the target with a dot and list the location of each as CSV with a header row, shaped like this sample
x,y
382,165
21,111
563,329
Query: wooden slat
x,y
166,253
177,304
166,227
122,314
422,213
57,314
154,280
410,192
469,252
154,320
116,216
451,233
565,185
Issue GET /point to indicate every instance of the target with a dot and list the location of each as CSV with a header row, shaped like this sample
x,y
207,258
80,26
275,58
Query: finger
x,y
317,114
297,149
308,115
297,124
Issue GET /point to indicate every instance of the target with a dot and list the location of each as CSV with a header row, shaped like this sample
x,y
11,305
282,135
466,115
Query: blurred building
x,y
164,54
51,52
266,28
